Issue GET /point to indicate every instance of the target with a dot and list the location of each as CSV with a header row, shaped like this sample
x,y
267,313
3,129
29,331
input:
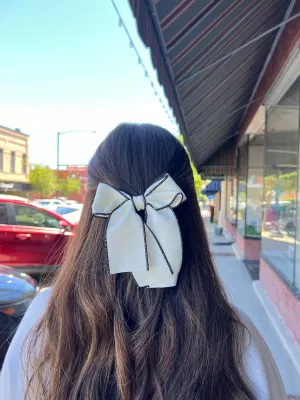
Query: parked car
x,y
72,202
50,204
71,213
10,197
31,237
16,293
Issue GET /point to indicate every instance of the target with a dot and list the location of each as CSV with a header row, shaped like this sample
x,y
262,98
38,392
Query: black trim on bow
x,y
160,248
107,215
172,202
160,181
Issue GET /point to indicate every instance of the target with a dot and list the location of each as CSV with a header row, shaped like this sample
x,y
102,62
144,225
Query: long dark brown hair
x,y
102,337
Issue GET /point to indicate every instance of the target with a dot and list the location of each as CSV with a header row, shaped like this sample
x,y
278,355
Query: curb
x,y
285,336
237,252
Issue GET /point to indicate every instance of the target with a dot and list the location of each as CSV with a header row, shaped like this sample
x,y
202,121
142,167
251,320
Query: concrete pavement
x,y
238,285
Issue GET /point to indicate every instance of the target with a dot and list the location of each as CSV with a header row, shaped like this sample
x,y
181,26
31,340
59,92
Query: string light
x,y
166,108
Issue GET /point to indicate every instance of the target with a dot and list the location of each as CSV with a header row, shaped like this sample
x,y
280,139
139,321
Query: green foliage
x,y
43,180
197,177
69,186
251,231
284,183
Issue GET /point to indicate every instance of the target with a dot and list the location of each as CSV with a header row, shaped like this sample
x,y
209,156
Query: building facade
x,y
235,95
14,166
262,207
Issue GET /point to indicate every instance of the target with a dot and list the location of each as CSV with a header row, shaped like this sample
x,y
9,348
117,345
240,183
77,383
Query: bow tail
x,y
161,249
164,250
145,244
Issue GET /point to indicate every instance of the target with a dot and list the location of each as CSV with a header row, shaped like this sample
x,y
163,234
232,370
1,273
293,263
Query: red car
x,y
31,238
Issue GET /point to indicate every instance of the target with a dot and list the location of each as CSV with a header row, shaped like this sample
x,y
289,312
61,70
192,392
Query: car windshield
x,y
65,210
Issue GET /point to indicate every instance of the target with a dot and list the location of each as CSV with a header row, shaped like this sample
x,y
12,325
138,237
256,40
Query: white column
x,y
221,222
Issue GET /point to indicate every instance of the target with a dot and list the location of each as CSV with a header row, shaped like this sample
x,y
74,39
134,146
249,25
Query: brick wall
x,y
284,300
249,248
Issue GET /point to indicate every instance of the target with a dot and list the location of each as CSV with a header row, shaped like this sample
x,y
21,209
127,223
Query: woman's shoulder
x,y
34,313
259,364
37,308
41,300
12,379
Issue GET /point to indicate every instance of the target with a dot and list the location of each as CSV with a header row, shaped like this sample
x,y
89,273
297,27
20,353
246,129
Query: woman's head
x,y
103,336
133,157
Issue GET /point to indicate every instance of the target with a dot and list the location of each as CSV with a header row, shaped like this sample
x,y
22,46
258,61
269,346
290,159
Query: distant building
x,y
14,166
78,172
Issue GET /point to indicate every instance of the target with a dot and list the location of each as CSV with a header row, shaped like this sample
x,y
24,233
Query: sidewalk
x,y
238,284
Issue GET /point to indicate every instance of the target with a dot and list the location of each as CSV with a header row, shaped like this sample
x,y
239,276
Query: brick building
x,y
14,167
79,172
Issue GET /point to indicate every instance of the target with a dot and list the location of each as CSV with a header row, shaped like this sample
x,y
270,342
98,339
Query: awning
x,y
204,61
222,163
212,188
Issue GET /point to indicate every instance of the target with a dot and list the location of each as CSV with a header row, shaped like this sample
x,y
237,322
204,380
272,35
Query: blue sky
x,y
68,65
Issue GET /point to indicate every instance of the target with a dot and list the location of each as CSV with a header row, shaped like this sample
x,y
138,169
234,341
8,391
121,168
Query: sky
x,y
67,65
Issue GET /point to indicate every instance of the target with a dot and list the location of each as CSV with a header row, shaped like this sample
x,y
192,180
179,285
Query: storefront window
x,y
242,187
280,187
297,258
255,186
231,199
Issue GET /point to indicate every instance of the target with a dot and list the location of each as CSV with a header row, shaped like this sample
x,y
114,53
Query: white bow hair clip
x,y
149,247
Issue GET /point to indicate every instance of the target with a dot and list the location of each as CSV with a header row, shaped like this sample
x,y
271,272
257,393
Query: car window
x,y
3,214
57,202
44,203
65,210
30,216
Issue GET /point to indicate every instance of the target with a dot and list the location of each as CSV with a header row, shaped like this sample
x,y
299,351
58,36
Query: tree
x,y
43,180
69,186
197,177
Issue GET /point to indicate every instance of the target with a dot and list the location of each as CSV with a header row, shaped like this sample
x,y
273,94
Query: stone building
x,y
14,166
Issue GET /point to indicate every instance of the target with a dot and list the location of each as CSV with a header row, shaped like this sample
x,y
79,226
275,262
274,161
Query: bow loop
x,y
150,249
107,200
164,193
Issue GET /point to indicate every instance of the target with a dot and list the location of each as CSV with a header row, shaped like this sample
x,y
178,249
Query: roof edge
x,y
13,131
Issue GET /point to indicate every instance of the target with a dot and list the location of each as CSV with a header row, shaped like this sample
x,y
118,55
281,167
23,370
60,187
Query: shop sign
x,y
15,187
6,185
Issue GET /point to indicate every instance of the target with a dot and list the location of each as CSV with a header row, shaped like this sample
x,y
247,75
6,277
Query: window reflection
x,y
242,183
231,199
280,189
255,186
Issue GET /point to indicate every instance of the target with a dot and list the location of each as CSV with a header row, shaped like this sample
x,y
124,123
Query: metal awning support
x,y
271,52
